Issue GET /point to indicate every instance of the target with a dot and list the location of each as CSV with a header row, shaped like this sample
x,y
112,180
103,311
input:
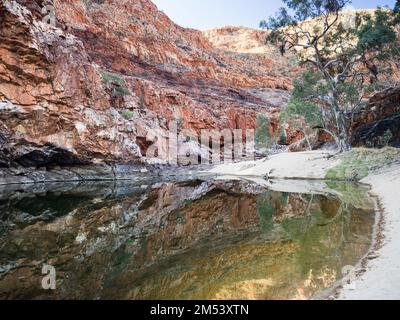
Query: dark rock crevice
x,y
378,124
373,134
48,156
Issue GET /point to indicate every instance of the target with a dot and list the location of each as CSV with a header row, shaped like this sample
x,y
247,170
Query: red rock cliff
x,y
91,88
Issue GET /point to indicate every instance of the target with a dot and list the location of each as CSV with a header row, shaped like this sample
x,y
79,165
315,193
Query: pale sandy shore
x,y
296,165
379,276
381,280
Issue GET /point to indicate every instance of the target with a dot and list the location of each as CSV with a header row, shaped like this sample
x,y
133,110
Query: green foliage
x,y
300,10
387,137
119,89
341,59
311,90
359,163
350,94
121,92
377,31
128,115
283,138
307,88
262,135
309,85
309,111
108,77
189,203
396,12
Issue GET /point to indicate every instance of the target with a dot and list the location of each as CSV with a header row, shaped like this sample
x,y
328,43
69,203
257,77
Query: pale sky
x,y
208,14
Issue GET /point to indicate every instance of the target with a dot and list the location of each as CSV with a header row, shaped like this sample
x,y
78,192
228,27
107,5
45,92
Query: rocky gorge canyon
x,y
105,80
92,92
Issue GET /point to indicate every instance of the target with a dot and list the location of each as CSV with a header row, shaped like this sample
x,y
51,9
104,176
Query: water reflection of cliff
x,y
183,240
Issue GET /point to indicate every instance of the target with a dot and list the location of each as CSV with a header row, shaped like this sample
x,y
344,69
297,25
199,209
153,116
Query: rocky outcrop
x,y
239,39
105,82
378,124
91,88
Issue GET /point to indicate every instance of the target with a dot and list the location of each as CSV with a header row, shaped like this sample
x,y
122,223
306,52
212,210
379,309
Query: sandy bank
x,y
299,165
381,279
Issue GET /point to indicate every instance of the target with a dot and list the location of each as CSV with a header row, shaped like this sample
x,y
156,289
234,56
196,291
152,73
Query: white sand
x,y
382,277
381,280
296,165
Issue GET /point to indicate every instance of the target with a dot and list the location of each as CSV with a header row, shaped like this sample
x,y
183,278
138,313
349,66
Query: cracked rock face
x,y
379,122
106,81
110,72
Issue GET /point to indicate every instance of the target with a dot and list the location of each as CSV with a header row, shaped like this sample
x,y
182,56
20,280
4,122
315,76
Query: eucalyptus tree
x,y
345,50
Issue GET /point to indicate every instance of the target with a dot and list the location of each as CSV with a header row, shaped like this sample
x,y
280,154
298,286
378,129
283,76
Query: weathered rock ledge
x,y
98,172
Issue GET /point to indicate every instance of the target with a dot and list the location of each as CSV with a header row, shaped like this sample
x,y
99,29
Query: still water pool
x,y
194,239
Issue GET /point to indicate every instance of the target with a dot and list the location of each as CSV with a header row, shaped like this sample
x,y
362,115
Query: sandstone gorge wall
x,y
378,123
91,88
110,76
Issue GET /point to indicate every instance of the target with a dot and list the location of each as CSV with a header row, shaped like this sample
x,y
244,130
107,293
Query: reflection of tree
x,y
321,236
268,204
